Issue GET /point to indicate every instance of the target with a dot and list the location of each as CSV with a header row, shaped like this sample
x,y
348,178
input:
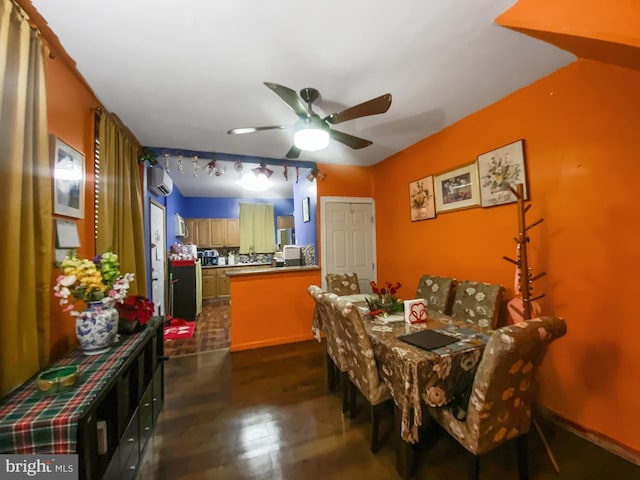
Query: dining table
x,y
414,375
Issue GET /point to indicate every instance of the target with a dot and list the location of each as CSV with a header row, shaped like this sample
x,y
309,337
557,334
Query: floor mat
x,y
179,329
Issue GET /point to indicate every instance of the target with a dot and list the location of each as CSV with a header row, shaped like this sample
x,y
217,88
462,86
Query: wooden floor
x,y
267,414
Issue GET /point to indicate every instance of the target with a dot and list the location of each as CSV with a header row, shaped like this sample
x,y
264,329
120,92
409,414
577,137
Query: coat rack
x,y
523,307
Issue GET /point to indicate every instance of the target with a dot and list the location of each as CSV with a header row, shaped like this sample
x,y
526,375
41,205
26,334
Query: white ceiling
x,y
181,73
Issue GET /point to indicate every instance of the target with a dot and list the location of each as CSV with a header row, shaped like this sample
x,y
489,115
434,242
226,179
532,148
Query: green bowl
x,y
58,379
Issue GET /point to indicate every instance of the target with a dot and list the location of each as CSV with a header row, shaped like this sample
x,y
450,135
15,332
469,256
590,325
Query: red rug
x,y
179,329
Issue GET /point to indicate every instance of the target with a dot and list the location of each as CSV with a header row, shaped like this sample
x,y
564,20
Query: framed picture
x,y
422,199
305,210
500,169
68,179
457,189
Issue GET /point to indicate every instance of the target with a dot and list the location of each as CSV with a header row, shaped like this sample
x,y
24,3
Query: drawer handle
x,y
146,429
147,404
155,399
132,467
131,440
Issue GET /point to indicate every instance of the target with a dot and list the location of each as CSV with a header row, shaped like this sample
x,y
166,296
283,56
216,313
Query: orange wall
x,y
580,127
70,104
271,309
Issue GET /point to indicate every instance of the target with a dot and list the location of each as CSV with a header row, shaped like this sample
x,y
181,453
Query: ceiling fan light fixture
x,y
312,136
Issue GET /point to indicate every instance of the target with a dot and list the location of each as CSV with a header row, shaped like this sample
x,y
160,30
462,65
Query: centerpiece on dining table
x,y
384,300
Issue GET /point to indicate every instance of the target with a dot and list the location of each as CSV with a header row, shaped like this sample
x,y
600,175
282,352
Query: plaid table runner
x,y
31,422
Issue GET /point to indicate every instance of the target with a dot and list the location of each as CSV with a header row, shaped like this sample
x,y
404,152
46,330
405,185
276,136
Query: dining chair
x,y
335,351
437,292
342,283
362,367
477,303
503,391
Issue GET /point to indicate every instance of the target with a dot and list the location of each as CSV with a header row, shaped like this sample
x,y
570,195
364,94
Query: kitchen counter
x,y
255,270
246,265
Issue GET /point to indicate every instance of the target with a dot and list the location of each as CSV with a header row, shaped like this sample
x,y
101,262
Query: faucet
x,y
252,253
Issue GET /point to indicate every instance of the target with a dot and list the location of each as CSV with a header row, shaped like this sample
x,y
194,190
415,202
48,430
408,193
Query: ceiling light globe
x,y
311,139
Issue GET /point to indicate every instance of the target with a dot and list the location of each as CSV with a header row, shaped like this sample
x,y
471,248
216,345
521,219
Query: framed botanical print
x,y
457,189
421,199
68,179
499,171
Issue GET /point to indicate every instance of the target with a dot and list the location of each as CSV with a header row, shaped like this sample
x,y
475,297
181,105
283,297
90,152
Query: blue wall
x,y
201,207
306,233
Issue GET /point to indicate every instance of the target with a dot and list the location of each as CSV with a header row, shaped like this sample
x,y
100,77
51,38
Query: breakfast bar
x,y
274,308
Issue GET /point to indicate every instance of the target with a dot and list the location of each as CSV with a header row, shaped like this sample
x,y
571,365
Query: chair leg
x,y
404,452
522,444
331,374
352,400
375,427
345,391
475,468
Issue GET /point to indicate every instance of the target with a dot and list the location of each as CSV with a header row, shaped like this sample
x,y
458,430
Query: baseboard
x,y
270,342
596,438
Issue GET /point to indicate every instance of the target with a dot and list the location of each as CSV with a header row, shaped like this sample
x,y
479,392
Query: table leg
x,y
404,452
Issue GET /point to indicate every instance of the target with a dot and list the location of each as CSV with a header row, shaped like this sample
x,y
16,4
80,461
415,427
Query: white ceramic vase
x,y
96,328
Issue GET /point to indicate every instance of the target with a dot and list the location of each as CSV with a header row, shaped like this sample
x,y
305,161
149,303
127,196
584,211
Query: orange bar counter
x,y
271,306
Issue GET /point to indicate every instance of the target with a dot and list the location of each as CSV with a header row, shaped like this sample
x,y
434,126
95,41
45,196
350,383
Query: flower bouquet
x,y
384,300
97,280
134,312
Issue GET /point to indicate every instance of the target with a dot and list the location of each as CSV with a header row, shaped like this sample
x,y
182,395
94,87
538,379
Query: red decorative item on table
x,y
134,313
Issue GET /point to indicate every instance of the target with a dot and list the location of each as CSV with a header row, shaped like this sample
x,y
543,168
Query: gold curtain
x,y
26,244
120,217
257,228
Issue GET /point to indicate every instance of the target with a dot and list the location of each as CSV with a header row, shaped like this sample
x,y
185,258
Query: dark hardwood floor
x,y
267,414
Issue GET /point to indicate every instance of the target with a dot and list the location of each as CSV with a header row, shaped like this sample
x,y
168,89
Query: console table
x,y
107,418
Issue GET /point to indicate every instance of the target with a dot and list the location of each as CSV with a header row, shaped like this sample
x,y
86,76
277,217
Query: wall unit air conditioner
x,y
160,182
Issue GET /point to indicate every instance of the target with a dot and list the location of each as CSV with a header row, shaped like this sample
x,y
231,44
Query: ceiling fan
x,y
312,132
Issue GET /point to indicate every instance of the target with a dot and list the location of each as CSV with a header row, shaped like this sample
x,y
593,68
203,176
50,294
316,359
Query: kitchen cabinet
x,y
203,236
223,289
209,282
233,232
218,232
213,232
190,224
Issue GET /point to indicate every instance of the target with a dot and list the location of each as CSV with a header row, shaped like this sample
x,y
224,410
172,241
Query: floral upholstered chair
x,y
477,303
336,359
342,283
437,292
362,366
503,390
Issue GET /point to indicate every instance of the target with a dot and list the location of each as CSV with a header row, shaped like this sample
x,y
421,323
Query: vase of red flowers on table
x,y
94,287
134,311
384,300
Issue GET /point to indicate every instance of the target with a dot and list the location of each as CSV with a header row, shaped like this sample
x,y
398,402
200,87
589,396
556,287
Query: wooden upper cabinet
x,y
213,232
203,238
192,230
233,232
218,232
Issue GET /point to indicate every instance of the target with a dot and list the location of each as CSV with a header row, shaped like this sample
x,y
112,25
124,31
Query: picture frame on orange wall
x,y
422,199
500,170
68,179
457,189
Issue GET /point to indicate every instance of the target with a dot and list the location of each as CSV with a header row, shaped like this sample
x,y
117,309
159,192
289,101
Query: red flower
x,y
136,307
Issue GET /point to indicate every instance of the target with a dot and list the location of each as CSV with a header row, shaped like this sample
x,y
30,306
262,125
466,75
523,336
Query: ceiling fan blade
x,y
237,131
290,97
294,152
371,107
349,140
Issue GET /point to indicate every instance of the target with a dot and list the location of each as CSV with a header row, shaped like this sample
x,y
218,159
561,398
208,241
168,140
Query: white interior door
x,y
348,238
157,219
